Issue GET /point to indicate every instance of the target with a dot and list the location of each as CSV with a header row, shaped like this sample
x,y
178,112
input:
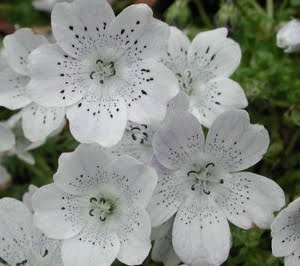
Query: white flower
x,y
37,121
288,36
21,243
97,206
137,138
162,250
27,197
203,68
22,145
106,72
286,235
201,183
47,5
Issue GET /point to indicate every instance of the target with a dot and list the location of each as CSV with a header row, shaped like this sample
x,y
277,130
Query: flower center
x,y
101,71
101,208
138,134
185,81
203,177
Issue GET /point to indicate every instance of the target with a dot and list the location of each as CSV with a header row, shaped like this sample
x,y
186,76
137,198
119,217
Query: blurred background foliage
x,y
270,78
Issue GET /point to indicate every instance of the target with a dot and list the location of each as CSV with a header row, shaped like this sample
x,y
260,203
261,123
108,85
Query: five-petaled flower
x,y
203,68
21,243
104,69
38,122
202,183
97,206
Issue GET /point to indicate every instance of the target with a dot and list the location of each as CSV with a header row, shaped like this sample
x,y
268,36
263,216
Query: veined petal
x,y
179,137
285,230
176,56
12,89
7,139
18,46
91,247
248,199
209,100
81,26
39,122
56,213
100,119
201,234
235,142
56,78
136,180
82,170
134,235
212,55
150,85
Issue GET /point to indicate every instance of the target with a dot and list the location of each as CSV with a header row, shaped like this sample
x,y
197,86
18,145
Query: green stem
x,y
203,15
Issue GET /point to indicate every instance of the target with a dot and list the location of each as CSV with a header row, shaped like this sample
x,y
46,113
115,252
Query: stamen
x,y
93,199
102,218
91,212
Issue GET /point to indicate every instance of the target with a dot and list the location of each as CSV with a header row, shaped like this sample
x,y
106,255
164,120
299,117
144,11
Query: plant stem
x,y
202,13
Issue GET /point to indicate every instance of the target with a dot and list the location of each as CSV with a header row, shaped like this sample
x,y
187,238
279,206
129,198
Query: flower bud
x,y
288,36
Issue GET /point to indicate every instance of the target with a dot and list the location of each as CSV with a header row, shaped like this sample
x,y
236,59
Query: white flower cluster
x,y
136,93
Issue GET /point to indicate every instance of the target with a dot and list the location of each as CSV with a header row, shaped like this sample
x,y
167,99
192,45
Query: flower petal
x,y
15,231
212,55
211,99
285,230
136,142
137,180
130,25
7,139
176,56
179,103
56,213
235,142
56,78
134,235
249,199
18,46
81,170
81,26
5,178
39,122
180,136
201,234
12,89
162,250
150,85
91,247
168,195
100,119
293,259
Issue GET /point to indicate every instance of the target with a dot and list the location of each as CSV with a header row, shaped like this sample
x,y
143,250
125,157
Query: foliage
x,y
270,78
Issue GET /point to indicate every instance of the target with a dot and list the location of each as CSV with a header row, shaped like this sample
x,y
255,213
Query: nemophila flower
x,y
286,234
38,122
21,243
162,250
288,36
204,185
203,68
22,145
137,138
106,72
97,206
